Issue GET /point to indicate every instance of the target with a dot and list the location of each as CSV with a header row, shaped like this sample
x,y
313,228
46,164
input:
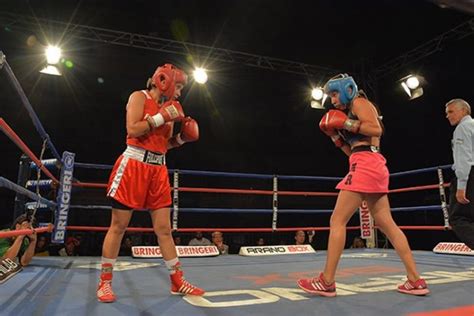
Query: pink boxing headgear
x,y
166,77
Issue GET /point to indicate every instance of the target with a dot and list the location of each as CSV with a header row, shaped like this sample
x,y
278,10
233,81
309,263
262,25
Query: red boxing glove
x,y
335,137
171,111
336,120
189,132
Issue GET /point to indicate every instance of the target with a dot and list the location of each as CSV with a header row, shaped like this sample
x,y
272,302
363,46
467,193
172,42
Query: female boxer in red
x,y
139,179
354,126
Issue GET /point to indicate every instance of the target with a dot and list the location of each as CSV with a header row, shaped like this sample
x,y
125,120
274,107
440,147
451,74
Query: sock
x,y
172,265
107,261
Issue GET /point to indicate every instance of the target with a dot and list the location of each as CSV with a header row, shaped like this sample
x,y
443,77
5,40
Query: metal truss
x,y
436,44
202,52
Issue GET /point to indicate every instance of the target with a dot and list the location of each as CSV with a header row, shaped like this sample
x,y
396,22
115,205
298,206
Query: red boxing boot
x,y
104,289
179,286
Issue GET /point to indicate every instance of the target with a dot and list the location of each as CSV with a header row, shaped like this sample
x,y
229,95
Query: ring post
x,y
175,198
24,173
275,202
442,196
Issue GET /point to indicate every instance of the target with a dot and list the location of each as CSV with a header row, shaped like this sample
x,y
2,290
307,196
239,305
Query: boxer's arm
x,y
136,125
368,117
346,149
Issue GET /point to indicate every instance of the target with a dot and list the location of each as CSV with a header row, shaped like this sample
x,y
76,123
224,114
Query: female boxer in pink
x,y
355,127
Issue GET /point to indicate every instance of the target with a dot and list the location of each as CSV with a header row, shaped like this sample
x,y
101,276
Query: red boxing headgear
x,y
166,77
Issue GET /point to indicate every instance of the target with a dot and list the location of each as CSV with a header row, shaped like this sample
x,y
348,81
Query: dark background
x,y
251,120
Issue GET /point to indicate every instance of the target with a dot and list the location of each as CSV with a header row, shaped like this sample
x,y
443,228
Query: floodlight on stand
x,y
412,85
318,98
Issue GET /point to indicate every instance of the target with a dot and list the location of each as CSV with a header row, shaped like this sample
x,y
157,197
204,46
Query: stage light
x,y
50,70
318,98
200,75
412,85
53,56
413,82
317,94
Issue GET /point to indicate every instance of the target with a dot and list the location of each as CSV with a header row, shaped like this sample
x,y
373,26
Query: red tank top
x,y
157,139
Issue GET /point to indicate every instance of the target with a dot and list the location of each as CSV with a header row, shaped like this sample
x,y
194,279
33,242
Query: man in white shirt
x,y
461,191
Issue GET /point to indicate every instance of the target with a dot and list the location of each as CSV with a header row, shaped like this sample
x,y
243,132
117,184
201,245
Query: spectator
x,y
300,237
199,240
42,247
218,241
126,247
70,247
19,248
358,242
177,240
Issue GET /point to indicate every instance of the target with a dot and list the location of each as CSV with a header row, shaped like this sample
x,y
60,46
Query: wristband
x,y
156,120
352,126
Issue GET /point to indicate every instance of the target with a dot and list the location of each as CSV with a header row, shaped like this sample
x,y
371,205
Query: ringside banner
x,y
183,251
63,198
276,250
455,248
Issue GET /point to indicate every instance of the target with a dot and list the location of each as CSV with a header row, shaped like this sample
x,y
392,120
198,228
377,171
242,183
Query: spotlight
x,y
200,75
412,84
50,70
53,56
319,97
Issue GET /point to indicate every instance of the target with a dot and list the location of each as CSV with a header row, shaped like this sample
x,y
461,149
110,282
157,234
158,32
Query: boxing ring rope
x,y
47,183
176,188
5,183
267,192
242,229
26,103
207,229
17,141
19,232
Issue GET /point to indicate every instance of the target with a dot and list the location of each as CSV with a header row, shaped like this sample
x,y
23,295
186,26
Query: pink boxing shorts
x,y
139,185
368,173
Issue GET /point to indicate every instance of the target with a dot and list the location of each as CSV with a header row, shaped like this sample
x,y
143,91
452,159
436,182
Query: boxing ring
x,y
239,285
234,284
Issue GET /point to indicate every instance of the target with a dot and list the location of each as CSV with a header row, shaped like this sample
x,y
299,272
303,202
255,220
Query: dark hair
x,y
20,219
